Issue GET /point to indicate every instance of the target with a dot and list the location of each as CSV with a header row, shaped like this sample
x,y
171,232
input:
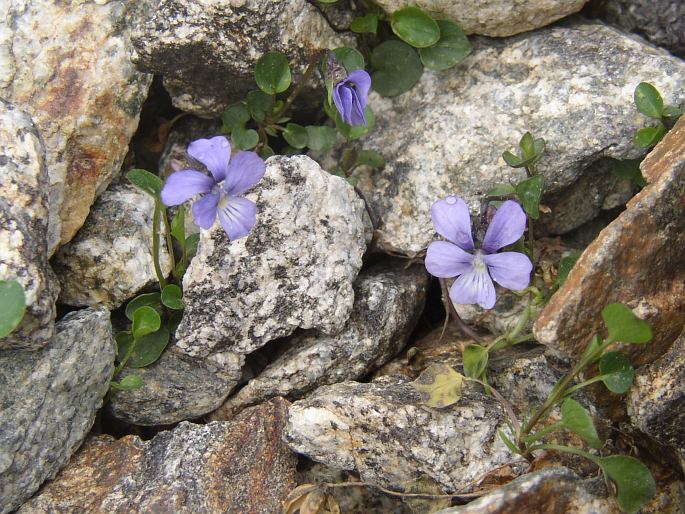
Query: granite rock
x,y
637,260
206,51
110,259
493,17
294,270
382,431
48,401
571,84
388,303
236,467
24,226
67,64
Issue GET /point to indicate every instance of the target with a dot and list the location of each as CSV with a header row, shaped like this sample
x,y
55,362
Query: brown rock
x,y
639,260
237,467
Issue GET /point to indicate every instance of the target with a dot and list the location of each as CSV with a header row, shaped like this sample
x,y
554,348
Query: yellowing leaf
x,y
439,385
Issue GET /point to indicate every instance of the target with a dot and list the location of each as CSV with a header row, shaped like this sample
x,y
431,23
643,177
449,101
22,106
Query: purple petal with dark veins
x,y
204,210
446,260
509,269
452,220
213,153
506,227
244,171
183,185
237,215
474,287
342,98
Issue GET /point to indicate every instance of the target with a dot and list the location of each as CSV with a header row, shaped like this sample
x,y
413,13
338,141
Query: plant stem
x,y
567,449
544,432
127,356
155,245
167,233
508,407
466,330
573,389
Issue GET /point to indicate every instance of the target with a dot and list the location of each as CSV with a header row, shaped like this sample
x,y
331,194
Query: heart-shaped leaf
x,y
145,321
635,485
295,135
150,299
578,420
149,348
363,24
172,297
128,383
397,66
616,371
529,192
624,326
351,58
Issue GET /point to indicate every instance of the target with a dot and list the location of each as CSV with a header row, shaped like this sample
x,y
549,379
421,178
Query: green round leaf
x,y
635,485
295,135
150,299
128,383
649,136
143,179
235,115
624,326
149,348
616,371
363,24
648,100
12,306
475,360
259,104
452,47
266,151
578,420
272,73
320,138
172,297
398,68
350,58
671,111
415,27
244,139
529,192
145,321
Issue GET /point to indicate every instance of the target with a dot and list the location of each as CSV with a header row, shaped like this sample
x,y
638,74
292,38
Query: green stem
x,y
509,339
127,356
167,230
566,449
543,432
573,389
155,246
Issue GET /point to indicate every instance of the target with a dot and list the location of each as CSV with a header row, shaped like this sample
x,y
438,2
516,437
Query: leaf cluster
x,y
649,102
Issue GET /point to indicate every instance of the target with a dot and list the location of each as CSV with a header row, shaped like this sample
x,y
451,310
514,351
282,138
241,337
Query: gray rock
x,y
24,226
661,22
67,65
388,303
571,84
236,467
207,52
493,17
48,401
382,431
176,387
294,270
110,259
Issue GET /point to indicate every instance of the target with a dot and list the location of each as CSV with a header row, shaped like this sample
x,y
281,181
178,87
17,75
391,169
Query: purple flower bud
x,y
350,96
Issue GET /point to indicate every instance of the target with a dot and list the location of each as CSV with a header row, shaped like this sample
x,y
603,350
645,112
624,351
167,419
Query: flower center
x,y
479,261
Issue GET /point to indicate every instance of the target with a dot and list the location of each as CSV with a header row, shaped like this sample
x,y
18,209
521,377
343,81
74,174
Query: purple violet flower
x,y
231,177
475,269
350,96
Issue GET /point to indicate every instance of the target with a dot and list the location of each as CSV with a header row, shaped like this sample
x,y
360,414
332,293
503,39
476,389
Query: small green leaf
x,y
671,111
508,443
624,326
149,299
452,47
529,192
295,135
616,371
357,131
578,420
149,348
398,68
512,160
370,158
648,100
527,146
128,383
365,24
501,189
320,138
172,297
145,321
191,244
259,104
565,266
440,385
178,225
236,115
244,139
266,151
649,136
592,348
272,73
414,26
143,179
634,483
350,58
12,306
475,360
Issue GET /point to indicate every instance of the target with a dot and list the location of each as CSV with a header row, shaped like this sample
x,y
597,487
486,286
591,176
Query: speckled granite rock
x,y
388,303
23,226
349,425
110,259
207,51
295,269
236,467
493,17
67,64
639,260
571,84
48,401
661,22
656,400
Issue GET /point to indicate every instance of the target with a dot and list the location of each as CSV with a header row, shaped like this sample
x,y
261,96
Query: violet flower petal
x,y
237,215
204,210
474,287
362,81
452,220
342,98
244,171
509,269
214,153
446,260
357,116
506,227
183,185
